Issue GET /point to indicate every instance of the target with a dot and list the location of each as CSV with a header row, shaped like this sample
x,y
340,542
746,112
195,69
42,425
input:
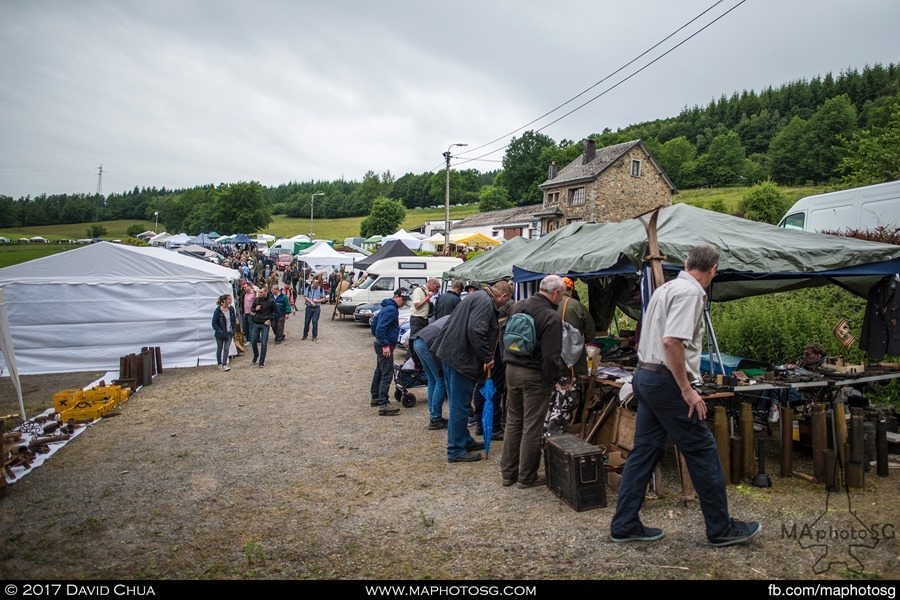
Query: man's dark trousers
x,y
383,375
528,397
662,415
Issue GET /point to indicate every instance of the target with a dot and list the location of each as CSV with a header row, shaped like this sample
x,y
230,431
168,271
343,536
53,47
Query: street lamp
x,y
311,212
447,202
156,227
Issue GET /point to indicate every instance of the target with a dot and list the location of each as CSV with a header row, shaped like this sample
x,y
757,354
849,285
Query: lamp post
x,y
311,212
156,227
447,202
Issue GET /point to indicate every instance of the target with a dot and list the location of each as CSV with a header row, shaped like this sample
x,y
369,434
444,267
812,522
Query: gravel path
x,y
287,473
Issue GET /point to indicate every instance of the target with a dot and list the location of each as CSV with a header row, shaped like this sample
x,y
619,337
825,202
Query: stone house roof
x,y
507,216
588,170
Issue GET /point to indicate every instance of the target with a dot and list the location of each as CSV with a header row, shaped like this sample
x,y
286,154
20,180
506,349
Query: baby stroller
x,y
406,376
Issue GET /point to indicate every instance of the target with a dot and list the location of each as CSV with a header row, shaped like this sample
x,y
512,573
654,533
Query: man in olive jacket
x,y
466,351
529,386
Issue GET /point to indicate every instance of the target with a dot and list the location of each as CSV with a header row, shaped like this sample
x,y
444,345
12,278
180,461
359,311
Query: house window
x,y
573,220
576,196
552,197
635,168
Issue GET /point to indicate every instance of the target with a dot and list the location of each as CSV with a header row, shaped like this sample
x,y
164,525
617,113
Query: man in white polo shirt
x,y
669,407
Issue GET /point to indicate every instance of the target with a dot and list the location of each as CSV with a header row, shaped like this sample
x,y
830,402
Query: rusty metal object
x,y
818,433
787,441
745,422
720,432
804,476
832,470
839,418
50,439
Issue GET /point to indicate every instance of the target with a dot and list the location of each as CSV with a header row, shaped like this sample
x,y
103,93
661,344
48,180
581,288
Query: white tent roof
x,y
83,309
179,239
410,241
105,262
321,254
299,238
159,238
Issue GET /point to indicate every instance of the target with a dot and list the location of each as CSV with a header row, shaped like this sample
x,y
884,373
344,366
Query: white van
x,y
388,274
858,208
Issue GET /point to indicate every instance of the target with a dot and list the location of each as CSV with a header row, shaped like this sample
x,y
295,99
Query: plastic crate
x,y
66,399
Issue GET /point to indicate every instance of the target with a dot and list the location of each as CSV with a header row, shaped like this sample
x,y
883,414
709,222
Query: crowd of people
x,y
455,338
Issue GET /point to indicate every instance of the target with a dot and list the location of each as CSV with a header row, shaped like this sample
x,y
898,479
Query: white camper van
x,y
388,274
858,208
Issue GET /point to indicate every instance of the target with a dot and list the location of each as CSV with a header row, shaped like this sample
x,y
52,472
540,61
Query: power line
x,y
612,87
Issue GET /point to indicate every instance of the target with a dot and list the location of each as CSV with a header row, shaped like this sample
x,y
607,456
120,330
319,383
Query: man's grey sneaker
x,y
388,412
435,425
738,532
644,534
467,457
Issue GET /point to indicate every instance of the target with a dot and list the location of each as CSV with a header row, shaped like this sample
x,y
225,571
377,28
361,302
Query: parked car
x,y
364,312
282,256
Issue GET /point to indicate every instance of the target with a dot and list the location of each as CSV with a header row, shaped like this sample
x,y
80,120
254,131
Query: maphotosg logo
x,y
838,536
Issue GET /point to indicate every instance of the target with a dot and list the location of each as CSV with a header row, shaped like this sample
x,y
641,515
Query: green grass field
x,y
324,229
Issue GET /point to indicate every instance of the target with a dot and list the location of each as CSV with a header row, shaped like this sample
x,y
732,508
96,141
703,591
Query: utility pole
x,y
447,202
99,194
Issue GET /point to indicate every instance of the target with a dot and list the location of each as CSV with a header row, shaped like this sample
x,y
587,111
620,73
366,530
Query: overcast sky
x,y
188,92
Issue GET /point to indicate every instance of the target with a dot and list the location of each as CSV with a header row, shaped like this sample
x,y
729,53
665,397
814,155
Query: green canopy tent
x,y
755,258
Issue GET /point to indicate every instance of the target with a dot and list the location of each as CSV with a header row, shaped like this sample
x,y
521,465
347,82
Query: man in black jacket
x,y
264,312
529,386
466,351
447,301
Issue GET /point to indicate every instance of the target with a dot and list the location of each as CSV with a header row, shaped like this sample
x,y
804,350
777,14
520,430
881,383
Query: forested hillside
x,y
841,130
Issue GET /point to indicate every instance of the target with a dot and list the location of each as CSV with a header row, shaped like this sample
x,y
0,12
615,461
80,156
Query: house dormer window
x,y
635,168
576,196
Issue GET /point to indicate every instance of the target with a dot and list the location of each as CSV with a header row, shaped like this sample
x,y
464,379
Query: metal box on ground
x,y
575,471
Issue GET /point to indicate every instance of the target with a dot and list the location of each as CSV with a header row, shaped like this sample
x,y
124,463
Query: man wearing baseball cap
x,y
387,329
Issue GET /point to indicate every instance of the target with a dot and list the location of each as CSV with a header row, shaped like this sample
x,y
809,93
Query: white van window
x,y
794,221
412,265
383,283
411,282
366,283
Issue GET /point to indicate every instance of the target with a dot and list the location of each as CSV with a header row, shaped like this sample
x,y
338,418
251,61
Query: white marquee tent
x,y
83,309
321,255
410,241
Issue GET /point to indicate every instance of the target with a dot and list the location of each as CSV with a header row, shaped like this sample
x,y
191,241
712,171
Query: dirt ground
x,y
286,472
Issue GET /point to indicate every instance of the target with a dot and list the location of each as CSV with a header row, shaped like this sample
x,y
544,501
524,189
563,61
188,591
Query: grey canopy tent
x,y
392,248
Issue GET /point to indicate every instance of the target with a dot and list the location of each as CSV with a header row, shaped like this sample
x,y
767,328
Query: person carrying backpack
x,y
531,350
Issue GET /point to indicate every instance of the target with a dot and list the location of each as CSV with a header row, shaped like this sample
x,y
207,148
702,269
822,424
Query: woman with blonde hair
x,y
223,323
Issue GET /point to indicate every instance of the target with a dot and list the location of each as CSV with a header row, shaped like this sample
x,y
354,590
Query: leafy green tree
x,y
384,219
134,230
240,207
724,162
874,153
493,197
413,190
717,205
784,152
95,231
764,202
673,155
524,169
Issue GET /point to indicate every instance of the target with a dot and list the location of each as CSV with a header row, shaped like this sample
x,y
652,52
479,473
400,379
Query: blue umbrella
x,y
487,413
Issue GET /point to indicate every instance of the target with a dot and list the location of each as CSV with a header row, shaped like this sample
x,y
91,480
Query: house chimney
x,y
590,151
552,173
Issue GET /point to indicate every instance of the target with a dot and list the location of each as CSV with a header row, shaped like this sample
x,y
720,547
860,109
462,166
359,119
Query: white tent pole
x,y
6,346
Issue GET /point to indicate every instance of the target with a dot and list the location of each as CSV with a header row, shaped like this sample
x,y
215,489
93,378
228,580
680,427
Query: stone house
x,y
503,224
610,184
